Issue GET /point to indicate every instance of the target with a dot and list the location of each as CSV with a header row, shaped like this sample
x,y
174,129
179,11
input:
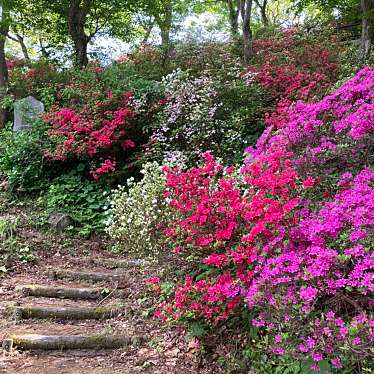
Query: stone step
x,y
112,263
60,342
64,313
119,278
63,292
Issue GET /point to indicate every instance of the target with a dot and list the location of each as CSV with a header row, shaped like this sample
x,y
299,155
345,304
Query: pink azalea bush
x,y
288,236
227,230
293,67
94,133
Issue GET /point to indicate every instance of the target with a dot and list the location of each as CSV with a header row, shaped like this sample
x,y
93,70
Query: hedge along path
x,y
99,308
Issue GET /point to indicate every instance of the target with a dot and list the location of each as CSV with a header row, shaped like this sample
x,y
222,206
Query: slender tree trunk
x,y
234,10
165,23
18,38
367,34
43,49
165,45
25,52
246,13
263,6
4,29
165,39
148,32
76,17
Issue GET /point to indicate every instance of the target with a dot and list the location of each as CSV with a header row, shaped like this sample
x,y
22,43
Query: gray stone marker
x,y
25,111
59,221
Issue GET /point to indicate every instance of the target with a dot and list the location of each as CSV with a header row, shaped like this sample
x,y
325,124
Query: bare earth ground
x,y
165,349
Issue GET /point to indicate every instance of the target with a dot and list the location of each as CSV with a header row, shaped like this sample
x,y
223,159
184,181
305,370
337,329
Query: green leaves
x,y
197,330
21,158
84,200
323,365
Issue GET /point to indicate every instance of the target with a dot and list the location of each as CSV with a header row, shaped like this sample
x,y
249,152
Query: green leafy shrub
x,y
242,111
84,200
22,160
11,249
121,77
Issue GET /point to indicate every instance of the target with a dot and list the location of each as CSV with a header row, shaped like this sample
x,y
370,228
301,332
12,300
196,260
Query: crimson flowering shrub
x,y
289,236
94,133
228,230
39,79
292,67
12,63
97,118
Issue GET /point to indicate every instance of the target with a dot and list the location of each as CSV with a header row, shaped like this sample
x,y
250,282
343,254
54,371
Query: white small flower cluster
x,y
189,123
136,211
140,104
250,77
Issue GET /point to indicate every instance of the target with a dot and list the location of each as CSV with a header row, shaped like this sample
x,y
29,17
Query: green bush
x,y
242,110
83,200
120,77
11,248
22,160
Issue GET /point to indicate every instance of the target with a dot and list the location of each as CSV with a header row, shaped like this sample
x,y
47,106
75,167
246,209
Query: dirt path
x,y
152,348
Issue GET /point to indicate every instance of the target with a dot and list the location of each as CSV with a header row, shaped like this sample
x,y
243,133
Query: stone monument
x,y
25,111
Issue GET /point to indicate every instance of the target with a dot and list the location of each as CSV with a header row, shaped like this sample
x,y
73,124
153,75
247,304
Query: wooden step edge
x,y
19,313
120,278
63,292
67,342
112,263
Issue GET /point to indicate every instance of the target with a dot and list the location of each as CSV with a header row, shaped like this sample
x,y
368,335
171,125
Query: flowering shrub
x,y
291,68
318,285
188,123
216,58
39,79
203,114
289,236
138,210
227,229
92,132
333,135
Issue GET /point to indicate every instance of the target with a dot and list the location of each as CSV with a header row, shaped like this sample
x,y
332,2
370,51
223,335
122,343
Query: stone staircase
x,y
72,312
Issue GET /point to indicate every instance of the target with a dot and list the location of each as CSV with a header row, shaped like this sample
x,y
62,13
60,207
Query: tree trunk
x,y
76,22
246,13
23,47
367,34
43,49
148,32
165,39
264,17
18,38
234,10
4,29
165,24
